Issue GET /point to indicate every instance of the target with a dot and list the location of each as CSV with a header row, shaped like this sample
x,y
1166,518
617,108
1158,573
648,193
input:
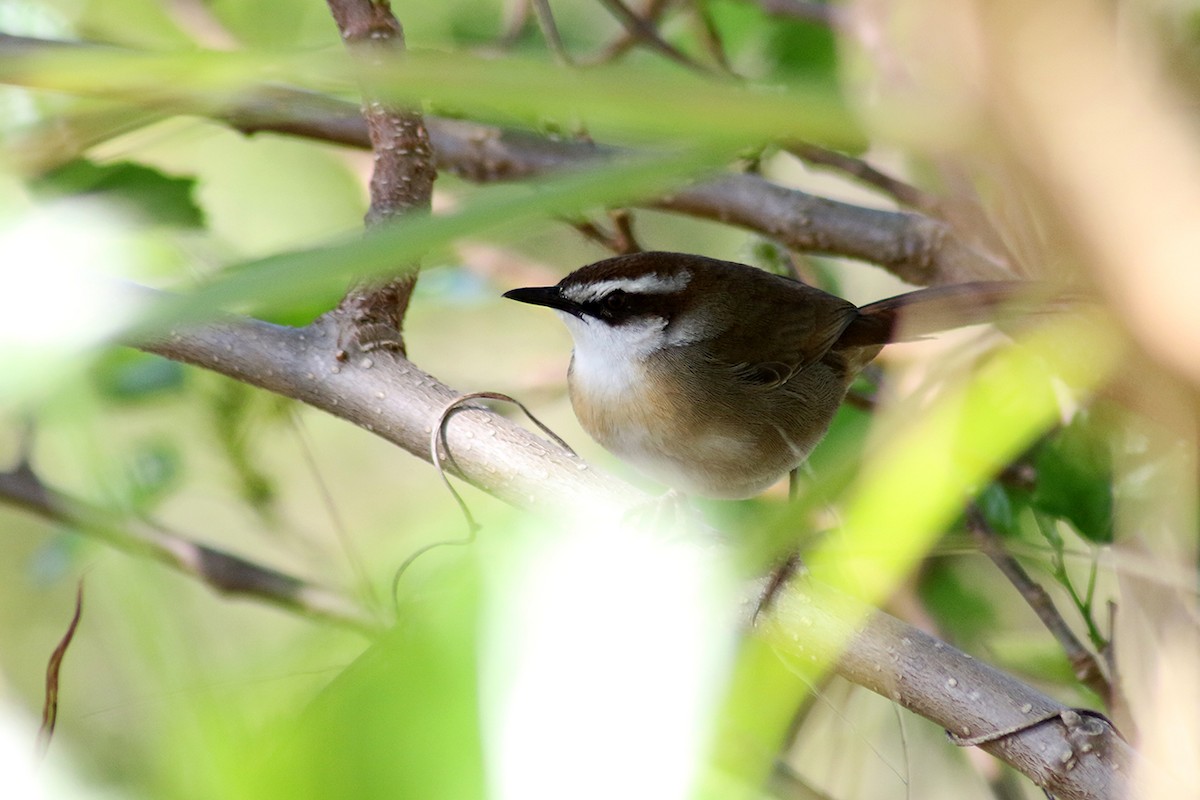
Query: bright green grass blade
x,y
277,281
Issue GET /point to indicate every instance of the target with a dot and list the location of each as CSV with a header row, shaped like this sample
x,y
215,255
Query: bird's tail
x,y
915,315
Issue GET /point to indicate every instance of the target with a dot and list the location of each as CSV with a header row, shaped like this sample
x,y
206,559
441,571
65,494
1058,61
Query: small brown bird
x,y
717,378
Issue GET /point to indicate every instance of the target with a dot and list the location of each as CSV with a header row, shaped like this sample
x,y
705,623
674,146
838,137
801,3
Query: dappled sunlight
x,y
604,655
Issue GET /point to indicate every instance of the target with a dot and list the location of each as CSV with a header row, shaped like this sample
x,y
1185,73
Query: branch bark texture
x,y
404,172
1074,755
1071,754
223,572
388,395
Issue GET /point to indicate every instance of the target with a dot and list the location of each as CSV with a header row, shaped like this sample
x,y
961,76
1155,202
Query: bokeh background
x,y
543,662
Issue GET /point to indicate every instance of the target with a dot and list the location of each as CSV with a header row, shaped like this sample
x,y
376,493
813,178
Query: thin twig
x,y
53,669
963,213
1083,663
437,438
626,39
621,240
903,193
710,35
545,19
353,557
221,571
646,33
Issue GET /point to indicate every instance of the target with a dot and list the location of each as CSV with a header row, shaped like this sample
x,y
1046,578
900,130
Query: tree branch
x,y
1084,665
403,174
226,573
388,395
914,247
1069,752
1073,755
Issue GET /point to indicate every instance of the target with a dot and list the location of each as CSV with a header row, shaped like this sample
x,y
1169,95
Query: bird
x,y
717,378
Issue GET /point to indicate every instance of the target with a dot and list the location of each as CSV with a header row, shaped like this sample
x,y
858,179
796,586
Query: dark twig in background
x,y
53,670
1083,662
226,573
651,13
709,35
644,31
545,20
620,240
963,214
903,193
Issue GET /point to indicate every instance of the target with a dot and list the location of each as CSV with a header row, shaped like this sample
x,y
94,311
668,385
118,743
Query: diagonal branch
x,y
1084,664
388,395
219,570
1068,751
644,31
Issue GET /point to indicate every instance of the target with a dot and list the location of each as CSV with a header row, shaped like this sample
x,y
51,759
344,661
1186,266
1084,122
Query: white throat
x,y
607,361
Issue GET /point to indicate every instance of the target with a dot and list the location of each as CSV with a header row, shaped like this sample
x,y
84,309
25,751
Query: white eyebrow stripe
x,y
643,284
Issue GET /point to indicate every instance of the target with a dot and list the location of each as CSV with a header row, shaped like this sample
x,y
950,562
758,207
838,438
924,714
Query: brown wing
x,y
776,331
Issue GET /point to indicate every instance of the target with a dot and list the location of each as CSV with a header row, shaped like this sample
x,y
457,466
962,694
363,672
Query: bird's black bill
x,y
548,296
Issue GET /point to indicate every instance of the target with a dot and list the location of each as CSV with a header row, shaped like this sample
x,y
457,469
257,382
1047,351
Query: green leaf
x,y
1000,508
959,605
283,280
913,485
645,103
804,48
1075,478
127,375
403,720
152,196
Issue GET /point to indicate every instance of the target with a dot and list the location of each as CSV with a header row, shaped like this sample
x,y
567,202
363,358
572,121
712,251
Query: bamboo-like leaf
x,y
276,281
615,101
915,483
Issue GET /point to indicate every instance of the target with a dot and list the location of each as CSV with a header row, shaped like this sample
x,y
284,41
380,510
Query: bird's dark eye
x,y
616,301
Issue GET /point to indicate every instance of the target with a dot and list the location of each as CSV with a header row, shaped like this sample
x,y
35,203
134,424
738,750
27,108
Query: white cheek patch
x,y
643,284
687,331
608,357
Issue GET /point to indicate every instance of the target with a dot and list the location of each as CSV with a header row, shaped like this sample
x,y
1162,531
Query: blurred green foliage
x,y
174,692
145,193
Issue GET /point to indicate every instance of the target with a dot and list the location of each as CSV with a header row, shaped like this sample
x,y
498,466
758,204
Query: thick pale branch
x,y
386,394
1074,754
